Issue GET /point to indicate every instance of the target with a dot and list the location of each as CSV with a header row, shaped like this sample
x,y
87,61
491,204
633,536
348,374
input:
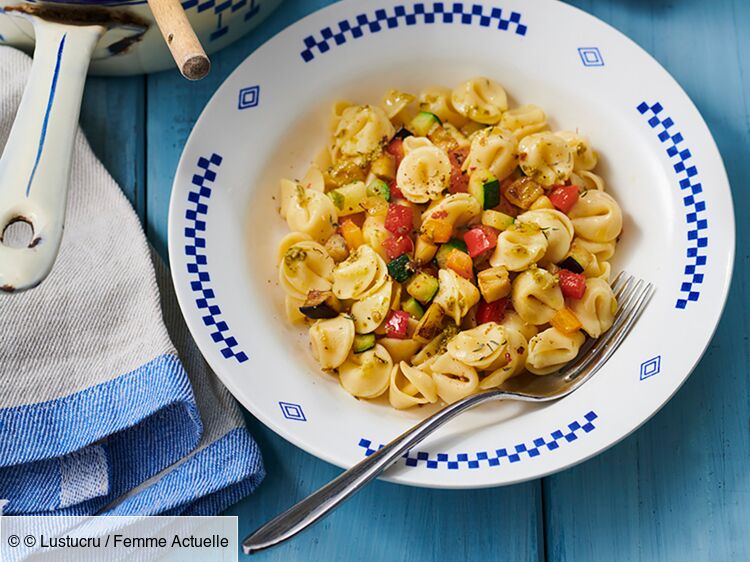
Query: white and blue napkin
x,y
106,405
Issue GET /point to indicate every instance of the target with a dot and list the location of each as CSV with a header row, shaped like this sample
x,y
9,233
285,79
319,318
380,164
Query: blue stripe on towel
x,y
220,474
156,426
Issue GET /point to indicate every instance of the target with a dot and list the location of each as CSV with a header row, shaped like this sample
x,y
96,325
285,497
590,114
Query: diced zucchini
x,y
485,188
384,166
401,268
363,342
423,123
422,287
444,251
579,255
571,264
424,250
320,304
494,283
378,188
430,325
413,308
349,198
523,192
497,220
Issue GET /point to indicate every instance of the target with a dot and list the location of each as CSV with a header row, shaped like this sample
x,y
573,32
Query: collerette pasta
x,y
444,242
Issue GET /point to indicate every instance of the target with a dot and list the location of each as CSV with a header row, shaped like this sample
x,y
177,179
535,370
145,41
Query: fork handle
x,y
327,498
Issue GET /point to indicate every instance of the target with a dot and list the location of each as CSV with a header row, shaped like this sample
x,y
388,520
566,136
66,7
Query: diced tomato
x,y
398,245
396,324
352,234
459,179
564,197
491,311
480,239
572,285
396,149
395,191
461,263
399,219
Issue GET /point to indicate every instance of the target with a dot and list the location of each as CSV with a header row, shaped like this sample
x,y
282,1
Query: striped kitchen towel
x,y
106,405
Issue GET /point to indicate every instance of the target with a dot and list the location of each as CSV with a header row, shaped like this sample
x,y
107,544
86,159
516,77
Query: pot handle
x,y
35,164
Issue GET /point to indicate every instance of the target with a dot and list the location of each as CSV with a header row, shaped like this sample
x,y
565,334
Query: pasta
x,y
424,172
360,132
524,120
556,229
597,217
596,310
536,296
492,149
444,242
481,100
367,374
331,340
519,247
546,158
551,349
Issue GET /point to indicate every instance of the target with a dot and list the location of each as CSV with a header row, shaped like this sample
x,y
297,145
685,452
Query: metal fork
x,y
633,295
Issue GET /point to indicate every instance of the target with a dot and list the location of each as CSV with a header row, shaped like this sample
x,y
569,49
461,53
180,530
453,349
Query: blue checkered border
x,y
197,262
419,12
498,457
694,203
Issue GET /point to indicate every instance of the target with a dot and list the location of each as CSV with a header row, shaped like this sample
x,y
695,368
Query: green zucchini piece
x,y
363,342
423,123
445,250
413,308
378,188
422,287
401,268
485,188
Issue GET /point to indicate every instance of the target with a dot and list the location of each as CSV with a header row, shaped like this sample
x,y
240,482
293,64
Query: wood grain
x,y
181,39
113,117
679,488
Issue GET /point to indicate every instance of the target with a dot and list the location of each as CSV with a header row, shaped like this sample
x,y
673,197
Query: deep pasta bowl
x,y
270,118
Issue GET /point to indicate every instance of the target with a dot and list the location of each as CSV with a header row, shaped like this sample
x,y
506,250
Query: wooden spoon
x,y
186,49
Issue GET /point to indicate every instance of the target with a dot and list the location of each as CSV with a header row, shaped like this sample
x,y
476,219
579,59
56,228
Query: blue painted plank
x,y
678,488
386,521
389,521
113,119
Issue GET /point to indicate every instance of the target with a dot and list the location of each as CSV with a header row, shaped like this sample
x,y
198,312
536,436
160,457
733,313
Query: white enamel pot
x,y
68,39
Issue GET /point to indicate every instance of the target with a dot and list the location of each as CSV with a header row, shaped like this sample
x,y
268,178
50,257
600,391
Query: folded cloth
x,y
106,405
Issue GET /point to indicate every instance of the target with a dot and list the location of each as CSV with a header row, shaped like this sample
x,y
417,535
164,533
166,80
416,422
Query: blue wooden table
x,y
678,489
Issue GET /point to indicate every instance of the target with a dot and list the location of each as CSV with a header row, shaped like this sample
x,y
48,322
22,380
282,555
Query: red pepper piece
x,y
480,239
491,311
396,324
564,197
398,245
399,219
459,179
572,285
395,191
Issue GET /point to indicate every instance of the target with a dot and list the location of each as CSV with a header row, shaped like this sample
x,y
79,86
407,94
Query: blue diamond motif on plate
x,y
590,56
249,97
292,411
651,367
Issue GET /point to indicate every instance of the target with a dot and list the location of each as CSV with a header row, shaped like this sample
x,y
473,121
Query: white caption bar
x,y
81,539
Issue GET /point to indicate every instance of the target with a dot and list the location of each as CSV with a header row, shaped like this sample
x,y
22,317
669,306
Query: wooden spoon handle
x,y
186,49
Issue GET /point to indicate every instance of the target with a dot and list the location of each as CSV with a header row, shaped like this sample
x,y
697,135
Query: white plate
x,y
270,117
